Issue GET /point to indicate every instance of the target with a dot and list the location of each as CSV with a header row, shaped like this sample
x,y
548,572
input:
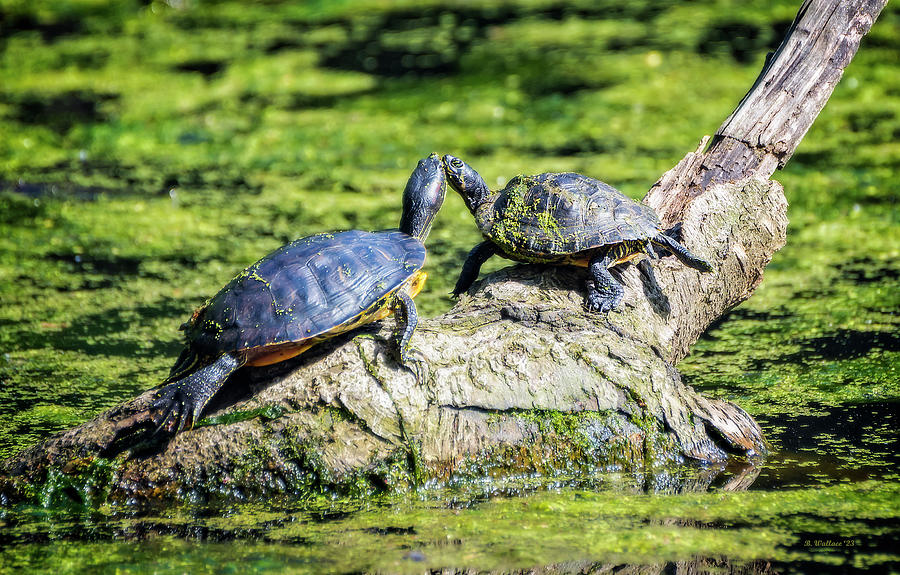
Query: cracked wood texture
x,y
520,378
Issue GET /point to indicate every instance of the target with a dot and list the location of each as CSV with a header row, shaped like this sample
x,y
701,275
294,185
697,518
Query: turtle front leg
x,y
472,266
179,404
407,319
604,292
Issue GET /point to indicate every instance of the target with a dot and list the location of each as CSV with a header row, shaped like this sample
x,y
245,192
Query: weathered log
x,y
520,378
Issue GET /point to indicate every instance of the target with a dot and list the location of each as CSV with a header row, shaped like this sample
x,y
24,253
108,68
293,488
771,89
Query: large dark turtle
x,y
305,292
562,218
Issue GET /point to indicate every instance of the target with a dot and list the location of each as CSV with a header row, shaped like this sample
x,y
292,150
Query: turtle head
x,y
465,180
423,197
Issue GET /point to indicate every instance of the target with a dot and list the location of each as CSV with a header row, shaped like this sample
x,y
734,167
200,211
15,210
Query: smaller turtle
x,y
563,218
303,293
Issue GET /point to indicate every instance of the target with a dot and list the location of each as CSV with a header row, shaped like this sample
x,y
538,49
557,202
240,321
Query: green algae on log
x,y
520,378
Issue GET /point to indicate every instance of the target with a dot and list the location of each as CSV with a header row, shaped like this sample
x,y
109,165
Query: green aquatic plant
x,y
152,150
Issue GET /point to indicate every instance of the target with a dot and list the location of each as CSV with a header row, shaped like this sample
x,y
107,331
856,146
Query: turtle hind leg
x,y
179,404
604,292
671,245
472,266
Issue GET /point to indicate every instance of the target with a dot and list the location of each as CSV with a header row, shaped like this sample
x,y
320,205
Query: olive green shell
x,y
563,213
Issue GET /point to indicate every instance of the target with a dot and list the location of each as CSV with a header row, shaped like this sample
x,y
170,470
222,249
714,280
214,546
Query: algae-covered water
x,y
150,150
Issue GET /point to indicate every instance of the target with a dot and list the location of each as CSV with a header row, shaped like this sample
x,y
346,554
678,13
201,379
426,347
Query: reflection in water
x,y
847,442
705,521
697,566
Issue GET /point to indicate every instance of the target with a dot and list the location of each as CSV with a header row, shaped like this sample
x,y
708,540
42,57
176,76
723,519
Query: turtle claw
x,y
415,361
173,411
603,303
182,421
164,412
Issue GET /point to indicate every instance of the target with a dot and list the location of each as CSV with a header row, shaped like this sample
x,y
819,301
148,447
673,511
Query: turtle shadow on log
x,y
572,280
652,290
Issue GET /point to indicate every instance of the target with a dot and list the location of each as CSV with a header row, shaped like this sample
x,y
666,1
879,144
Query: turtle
x,y
564,219
303,293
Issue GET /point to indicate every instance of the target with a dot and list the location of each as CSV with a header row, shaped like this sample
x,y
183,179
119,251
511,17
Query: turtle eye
x,y
456,163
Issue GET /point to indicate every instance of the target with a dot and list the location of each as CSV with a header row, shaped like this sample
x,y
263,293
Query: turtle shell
x,y
563,213
304,290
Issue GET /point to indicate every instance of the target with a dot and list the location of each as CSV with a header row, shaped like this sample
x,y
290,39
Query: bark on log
x,y
521,379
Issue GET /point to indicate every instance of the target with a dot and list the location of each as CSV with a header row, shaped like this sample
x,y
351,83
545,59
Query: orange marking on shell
x,y
580,261
280,354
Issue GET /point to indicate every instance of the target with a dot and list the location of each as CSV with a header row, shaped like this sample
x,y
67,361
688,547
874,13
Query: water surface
x,y
153,149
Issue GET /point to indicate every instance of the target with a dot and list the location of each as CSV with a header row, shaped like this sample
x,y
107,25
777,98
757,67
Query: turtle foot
x,y
602,303
415,362
174,410
178,405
